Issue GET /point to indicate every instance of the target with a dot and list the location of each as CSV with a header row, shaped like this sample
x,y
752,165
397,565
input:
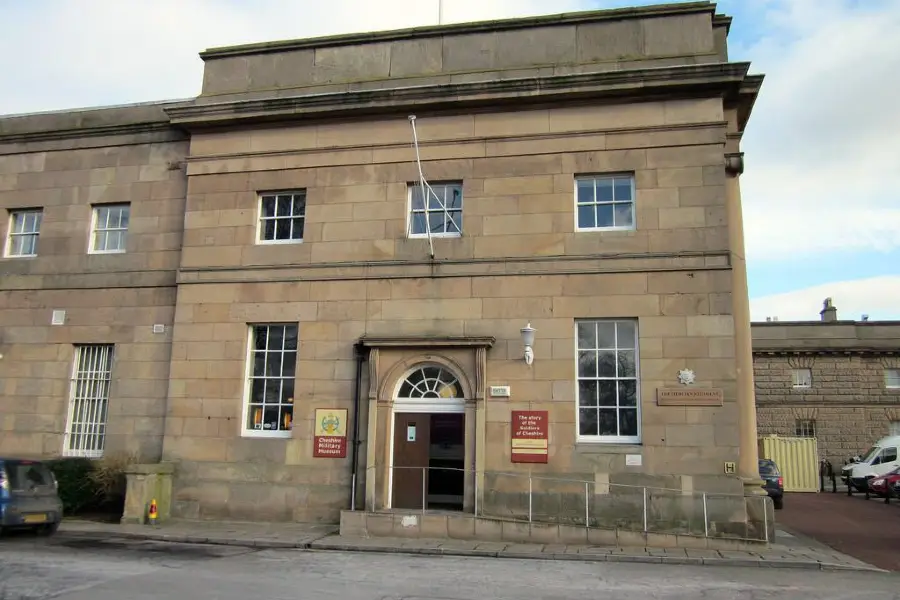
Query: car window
x,y
888,455
767,468
25,475
869,454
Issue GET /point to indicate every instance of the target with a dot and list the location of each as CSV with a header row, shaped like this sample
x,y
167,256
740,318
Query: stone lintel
x,y
713,79
424,341
459,29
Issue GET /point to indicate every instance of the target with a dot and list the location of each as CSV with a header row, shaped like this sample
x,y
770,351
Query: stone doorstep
x,y
385,545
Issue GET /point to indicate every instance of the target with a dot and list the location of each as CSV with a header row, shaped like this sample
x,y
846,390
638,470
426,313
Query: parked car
x,y
773,482
879,485
878,460
29,496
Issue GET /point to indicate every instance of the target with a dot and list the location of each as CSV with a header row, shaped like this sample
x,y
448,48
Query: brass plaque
x,y
689,397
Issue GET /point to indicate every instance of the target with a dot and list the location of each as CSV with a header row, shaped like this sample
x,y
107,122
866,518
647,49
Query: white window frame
x,y
250,376
440,189
801,379
89,393
893,428
606,177
261,219
610,439
806,428
124,208
892,379
11,233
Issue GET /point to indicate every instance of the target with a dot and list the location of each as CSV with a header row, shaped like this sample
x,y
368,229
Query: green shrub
x,y
92,486
77,489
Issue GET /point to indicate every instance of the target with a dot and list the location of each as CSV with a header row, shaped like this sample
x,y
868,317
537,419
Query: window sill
x,y
442,236
588,446
605,229
266,435
18,256
277,242
105,252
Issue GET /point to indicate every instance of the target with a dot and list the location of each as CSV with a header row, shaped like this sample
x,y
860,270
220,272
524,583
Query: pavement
x,y
789,551
868,530
71,568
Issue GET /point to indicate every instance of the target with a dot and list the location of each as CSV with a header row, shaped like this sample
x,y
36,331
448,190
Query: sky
x,y
822,150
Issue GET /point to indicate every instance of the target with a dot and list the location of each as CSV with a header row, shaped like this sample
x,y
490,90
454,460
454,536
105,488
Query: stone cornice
x,y
722,21
87,132
715,78
607,263
576,18
845,351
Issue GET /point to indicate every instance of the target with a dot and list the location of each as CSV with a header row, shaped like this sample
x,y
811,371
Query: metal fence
x,y
526,497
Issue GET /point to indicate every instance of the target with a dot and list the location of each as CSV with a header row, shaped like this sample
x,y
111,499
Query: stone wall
x,y
562,44
518,174
63,164
847,400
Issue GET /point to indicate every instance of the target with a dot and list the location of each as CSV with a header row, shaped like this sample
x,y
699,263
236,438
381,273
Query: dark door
x,y
411,452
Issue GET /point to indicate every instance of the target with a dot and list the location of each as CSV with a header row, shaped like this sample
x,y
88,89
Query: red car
x,y
879,485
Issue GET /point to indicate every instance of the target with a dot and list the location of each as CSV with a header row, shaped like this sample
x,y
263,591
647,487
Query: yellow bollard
x,y
152,513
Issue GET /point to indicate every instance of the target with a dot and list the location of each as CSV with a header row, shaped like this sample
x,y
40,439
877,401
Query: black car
x,y
773,481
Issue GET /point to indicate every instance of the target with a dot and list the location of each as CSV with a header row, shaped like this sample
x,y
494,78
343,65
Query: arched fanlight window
x,y
430,382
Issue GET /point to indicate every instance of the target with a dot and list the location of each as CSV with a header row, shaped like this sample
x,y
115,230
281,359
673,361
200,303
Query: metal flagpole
x,y
440,12
426,192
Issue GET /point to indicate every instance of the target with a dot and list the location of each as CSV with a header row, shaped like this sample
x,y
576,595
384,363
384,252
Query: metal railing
x,y
531,498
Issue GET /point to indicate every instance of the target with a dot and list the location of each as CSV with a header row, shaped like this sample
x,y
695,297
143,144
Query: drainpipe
x,y
357,391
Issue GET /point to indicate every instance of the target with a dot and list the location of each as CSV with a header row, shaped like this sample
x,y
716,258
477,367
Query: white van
x,y
878,460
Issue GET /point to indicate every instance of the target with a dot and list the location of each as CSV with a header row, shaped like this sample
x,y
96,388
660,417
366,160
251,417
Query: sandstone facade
x,y
846,396
281,203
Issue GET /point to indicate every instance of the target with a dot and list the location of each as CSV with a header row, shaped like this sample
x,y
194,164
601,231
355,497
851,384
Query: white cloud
x,y
821,144
143,50
875,296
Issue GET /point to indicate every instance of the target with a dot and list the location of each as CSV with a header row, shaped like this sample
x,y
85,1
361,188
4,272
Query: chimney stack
x,y
829,312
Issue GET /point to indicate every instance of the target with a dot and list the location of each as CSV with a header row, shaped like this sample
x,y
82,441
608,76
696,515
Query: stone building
x,y
835,380
192,281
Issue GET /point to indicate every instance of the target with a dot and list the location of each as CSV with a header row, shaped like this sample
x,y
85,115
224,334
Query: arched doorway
x,y
428,454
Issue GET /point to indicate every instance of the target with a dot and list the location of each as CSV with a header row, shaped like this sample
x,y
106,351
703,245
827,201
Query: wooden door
x,y
411,453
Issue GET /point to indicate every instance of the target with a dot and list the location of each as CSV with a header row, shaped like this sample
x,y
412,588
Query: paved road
x,y
865,529
63,569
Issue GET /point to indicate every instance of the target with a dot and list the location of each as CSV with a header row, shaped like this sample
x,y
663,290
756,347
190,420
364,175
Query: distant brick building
x,y
838,381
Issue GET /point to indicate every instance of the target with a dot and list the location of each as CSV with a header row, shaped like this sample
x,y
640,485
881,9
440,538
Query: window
x,y
801,378
441,216
805,428
888,455
894,428
272,368
430,382
89,400
604,203
892,379
110,228
24,229
27,475
282,216
608,406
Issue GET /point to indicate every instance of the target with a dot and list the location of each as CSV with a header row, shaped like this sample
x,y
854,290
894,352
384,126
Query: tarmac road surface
x,y
72,569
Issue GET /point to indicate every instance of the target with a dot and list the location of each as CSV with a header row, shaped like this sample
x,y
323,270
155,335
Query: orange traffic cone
x,y
152,512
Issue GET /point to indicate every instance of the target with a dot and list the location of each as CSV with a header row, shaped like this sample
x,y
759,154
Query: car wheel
x,y
778,502
48,530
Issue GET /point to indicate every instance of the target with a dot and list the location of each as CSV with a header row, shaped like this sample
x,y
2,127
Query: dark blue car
x,y
773,482
29,496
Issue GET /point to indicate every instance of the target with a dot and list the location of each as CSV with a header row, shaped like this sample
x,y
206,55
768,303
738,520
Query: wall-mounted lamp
x,y
528,341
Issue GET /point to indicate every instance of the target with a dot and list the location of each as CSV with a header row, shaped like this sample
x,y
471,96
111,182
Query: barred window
x,y
89,401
